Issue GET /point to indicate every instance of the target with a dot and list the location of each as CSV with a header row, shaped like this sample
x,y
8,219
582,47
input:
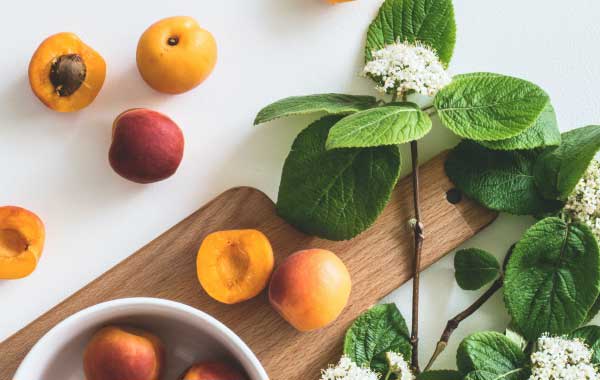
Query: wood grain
x,y
165,268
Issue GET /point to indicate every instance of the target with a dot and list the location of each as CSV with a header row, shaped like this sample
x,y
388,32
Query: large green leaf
x,y
486,106
379,330
443,374
557,171
552,278
499,180
339,193
543,133
390,125
430,22
475,268
491,354
333,104
590,335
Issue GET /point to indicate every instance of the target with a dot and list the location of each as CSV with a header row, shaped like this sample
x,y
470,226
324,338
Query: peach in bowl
x,y
145,338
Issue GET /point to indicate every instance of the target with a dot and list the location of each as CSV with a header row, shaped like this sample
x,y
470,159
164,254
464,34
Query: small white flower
x,y
346,369
402,67
399,366
559,358
583,205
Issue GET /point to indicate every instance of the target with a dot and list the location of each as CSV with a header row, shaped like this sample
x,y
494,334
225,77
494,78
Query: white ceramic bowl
x,y
189,335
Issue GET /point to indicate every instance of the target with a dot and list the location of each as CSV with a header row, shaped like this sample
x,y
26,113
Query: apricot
x,y
175,54
310,289
66,74
123,353
234,266
213,370
147,146
22,237
339,1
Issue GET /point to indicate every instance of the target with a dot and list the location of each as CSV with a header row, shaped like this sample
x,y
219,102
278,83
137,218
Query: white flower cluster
x,y
402,67
346,369
399,366
584,203
559,358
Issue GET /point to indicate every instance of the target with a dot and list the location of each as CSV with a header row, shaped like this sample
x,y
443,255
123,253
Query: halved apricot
x,y
234,266
21,242
66,74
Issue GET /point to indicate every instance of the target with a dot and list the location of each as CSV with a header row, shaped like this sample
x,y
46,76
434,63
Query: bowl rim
x,y
239,348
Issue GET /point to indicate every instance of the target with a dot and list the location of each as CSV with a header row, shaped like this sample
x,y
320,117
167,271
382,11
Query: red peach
x,y
147,146
213,371
123,353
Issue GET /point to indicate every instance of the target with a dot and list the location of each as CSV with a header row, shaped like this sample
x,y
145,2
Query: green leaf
x,y
543,133
516,338
590,335
379,330
333,104
594,310
390,125
552,278
499,180
486,106
440,375
475,268
491,353
430,22
484,375
557,171
335,194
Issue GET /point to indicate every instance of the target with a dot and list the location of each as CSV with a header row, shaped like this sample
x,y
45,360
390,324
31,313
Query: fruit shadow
x,y
126,89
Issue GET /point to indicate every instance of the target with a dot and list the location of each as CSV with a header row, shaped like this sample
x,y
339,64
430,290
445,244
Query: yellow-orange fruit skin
x,y
22,236
213,370
234,266
123,353
310,289
175,54
339,1
52,48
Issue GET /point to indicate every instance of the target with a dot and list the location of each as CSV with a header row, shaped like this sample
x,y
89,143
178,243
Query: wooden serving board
x,y
379,261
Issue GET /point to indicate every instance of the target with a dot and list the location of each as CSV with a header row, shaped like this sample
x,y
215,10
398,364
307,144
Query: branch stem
x,y
455,322
418,247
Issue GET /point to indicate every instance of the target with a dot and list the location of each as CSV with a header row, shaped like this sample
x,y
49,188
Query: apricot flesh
x,y
147,146
65,73
310,289
22,236
234,266
126,353
213,370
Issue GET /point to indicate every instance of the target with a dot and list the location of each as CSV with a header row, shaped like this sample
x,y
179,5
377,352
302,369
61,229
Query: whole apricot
x,y
310,289
22,237
213,370
66,74
123,353
175,54
147,146
234,266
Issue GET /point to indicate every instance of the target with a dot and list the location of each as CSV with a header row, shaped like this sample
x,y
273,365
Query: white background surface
x,y
56,164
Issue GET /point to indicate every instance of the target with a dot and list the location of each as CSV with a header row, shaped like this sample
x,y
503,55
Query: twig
x,y
418,246
454,322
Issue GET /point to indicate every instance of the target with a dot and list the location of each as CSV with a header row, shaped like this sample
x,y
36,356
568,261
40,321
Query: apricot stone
x,y
123,353
22,237
147,146
310,289
213,371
